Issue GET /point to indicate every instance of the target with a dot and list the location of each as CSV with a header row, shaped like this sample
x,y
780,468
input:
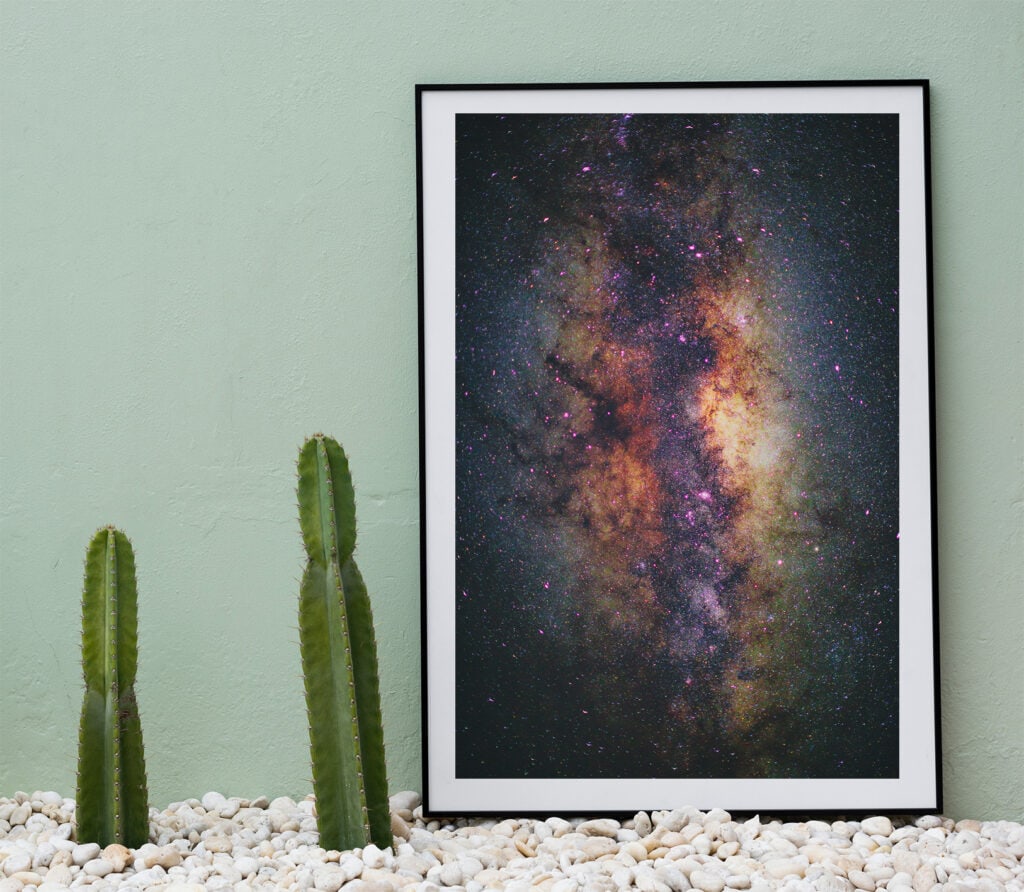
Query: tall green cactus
x,y
339,658
112,798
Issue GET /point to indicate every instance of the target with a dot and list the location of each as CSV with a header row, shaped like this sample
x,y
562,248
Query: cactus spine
x,y
112,798
339,658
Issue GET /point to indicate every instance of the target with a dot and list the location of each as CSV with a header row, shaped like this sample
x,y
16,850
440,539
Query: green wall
x,y
209,251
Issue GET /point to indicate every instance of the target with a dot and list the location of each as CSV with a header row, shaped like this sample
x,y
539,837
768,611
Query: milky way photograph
x,y
678,502
676,445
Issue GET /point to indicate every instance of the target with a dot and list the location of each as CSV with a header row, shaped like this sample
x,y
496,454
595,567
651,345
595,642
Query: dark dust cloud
x,y
676,471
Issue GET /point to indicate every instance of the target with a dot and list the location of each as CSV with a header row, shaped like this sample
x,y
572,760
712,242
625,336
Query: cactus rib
x,y
339,658
112,797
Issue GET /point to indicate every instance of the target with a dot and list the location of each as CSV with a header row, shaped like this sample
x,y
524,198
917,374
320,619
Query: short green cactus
x,y
339,658
112,798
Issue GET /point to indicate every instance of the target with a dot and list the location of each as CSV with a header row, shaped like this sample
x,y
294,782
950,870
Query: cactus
x,y
112,799
339,658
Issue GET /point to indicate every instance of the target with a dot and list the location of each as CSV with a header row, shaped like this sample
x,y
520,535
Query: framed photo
x,y
677,445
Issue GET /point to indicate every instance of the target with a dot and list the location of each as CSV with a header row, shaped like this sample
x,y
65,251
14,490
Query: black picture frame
x,y
677,448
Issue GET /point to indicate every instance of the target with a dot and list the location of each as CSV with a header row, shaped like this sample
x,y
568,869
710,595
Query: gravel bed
x,y
240,844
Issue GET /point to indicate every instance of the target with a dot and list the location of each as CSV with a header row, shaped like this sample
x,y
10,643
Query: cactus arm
x,y
327,502
133,794
339,659
111,796
96,805
371,728
93,814
330,700
134,830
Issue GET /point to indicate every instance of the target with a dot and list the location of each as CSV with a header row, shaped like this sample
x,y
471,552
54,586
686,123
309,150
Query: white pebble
x,y
406,800
350,866
369,886
84,852
861,880
784,867
212,801
672,877
829,883
97,867
117,855
217,844
905,861
877,826
598,847
144,879
44,854
928,822
373,857
559,826
642,824
450,874
783,846
20,814
17,862
679,818
706,881
166,856
924,878
61,874
328,879
229,872
964,841
247,865
469,866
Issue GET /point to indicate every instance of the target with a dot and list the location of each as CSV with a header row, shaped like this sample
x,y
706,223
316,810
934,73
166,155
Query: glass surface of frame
x,y
678,496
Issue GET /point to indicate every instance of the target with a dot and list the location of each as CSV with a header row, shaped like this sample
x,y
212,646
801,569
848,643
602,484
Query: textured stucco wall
x,y
208,252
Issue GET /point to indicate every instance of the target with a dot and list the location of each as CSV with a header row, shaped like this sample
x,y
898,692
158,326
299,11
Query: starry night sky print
x,y
676,446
